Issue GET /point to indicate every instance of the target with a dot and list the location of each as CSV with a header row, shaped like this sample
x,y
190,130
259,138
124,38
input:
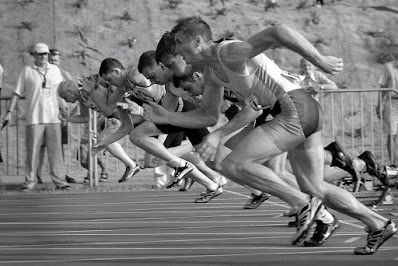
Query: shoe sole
x,y
304,233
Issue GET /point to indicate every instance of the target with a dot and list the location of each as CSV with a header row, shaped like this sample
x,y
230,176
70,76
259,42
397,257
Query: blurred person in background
x,y
389,79
39,83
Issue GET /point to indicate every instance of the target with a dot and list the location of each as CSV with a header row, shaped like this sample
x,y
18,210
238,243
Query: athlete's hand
x,y
132,107
208,148
155,113
331,65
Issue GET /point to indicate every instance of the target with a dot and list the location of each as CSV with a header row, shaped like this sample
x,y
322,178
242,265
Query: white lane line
x,y
179,201
167,221
150,211
166,240
352,239
135,258
266,202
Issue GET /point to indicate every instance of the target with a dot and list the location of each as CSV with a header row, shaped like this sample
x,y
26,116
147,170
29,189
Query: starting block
x,y
374,198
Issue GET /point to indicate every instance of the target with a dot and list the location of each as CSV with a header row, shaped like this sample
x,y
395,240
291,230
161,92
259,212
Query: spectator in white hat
x,y
39,83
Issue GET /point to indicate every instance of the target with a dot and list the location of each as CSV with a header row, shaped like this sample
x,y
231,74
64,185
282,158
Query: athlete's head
x,y
192,83
69,91
167,54
190,34
111,70
153,71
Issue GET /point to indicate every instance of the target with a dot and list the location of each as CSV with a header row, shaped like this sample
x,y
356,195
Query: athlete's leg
x,y
142,136
244,166
115,148
307,164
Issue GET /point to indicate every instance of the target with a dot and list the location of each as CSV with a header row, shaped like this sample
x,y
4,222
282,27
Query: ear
x,y
198,40
196,76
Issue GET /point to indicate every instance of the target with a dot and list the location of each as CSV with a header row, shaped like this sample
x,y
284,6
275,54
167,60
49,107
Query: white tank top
x,y
267,81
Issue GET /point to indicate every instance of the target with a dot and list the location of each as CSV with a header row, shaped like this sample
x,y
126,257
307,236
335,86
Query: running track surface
x,y
167,228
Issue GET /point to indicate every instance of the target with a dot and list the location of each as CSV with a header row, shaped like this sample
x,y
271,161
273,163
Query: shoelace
x,y
373,237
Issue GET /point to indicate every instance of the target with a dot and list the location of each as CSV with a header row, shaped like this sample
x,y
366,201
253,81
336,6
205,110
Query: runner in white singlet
x,y
297,129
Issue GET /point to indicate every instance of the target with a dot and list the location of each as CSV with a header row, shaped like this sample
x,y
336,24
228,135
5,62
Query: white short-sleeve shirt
x,y
41,103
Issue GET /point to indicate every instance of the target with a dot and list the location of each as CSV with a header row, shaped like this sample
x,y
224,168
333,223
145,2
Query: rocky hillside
x,y
87,31
362,32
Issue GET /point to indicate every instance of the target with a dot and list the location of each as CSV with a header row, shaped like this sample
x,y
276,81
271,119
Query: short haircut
x,y
54,51
194,26
186,78
167,47
146,59
108,64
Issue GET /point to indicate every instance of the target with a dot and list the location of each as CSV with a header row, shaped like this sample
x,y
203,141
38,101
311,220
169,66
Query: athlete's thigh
x,y
146,128
255,147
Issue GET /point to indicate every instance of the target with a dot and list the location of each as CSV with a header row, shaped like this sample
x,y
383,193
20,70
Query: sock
x,y
324,216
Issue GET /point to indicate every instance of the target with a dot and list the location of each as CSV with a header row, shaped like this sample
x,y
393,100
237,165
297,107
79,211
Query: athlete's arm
x,y
240,52
246,115
107,105
123,130
82,118
206,116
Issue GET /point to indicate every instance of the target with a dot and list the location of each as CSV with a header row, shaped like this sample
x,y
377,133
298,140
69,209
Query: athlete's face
x,y
157,74
187,46
114,77
195,87
176,64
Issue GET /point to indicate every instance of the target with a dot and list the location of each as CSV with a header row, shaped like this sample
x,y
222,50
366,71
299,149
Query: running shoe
x,y
372,168
179,173
341,159
322,233
255,201
210,194
28,186
129,173
305,218
70,179
104,177
376,238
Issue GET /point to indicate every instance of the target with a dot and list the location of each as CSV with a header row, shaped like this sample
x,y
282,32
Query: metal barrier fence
x,y
12,147
349,117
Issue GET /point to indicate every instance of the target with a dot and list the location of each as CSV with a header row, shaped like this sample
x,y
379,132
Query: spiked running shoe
x,y
179,173
305,218
376,238
372,168
341,159
255,201
322,233
210,194
129,173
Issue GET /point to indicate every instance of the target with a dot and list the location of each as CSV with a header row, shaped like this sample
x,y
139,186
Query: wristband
x,y
9,111
137,111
